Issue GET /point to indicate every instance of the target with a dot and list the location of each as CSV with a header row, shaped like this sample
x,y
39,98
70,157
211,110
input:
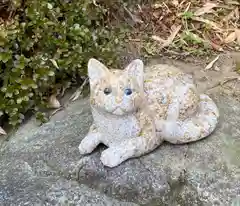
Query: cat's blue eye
x,y
128,91
107,91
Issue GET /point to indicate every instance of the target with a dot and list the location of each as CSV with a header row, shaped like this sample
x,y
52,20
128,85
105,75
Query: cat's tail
x,y
194,128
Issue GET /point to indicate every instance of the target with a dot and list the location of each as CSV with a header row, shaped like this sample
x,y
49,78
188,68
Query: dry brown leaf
x,y
237,32
230,38
210,65
169,39
206,21
214,45
207,8
2,131
234,14
53,102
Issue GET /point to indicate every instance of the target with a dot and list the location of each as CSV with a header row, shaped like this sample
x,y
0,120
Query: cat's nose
x,y
118,100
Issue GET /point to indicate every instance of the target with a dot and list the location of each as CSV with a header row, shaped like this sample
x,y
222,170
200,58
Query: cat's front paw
x,y
111,157
84,147
89,143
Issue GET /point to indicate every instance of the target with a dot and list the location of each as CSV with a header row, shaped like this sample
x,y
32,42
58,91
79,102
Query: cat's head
x,y
118,92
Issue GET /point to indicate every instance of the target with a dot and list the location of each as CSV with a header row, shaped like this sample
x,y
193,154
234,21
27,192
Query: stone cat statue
x,y
136,109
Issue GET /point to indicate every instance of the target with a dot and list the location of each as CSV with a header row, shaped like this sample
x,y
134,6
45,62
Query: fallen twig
x,y
157,38
210,65
228,79
55,111
78,92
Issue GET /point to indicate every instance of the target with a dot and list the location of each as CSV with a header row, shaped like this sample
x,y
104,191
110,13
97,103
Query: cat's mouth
x,y
118,111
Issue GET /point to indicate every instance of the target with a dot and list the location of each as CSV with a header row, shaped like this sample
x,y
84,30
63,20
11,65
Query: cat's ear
x,y
96,69
135,70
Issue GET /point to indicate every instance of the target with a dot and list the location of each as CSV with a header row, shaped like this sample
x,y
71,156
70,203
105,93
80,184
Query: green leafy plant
x,y
47,43
187,15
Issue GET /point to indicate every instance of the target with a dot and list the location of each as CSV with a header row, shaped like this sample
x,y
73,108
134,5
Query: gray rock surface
x,y
42,166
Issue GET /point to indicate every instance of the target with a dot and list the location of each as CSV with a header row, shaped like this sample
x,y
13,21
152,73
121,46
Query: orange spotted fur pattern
x,y
136,109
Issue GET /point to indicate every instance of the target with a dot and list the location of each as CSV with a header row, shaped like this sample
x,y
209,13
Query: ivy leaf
x,y
51,73
5,56
54,63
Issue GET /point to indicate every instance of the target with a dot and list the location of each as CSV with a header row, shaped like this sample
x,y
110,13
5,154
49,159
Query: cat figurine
x,y
134,110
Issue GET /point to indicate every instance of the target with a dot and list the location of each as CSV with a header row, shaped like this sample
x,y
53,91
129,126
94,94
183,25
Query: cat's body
x,y
134,111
